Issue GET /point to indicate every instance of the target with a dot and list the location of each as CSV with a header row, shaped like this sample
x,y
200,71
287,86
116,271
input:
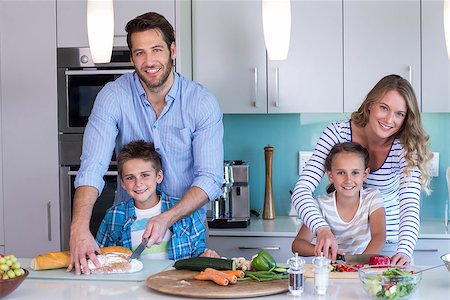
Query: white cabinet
x,y
435,62
428,251
72,21
229,57
247,246
380,38
29,136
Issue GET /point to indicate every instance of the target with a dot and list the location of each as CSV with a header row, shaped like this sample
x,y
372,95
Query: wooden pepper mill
x,y
269,207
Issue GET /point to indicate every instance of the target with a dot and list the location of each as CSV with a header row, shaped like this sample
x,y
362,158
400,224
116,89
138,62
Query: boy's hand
x,y
210,253
155,230
326,243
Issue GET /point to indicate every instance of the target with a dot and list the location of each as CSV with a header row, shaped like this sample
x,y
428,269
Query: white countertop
x,y
435,285
284,226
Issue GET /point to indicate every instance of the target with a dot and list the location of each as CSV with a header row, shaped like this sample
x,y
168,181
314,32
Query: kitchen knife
x,y
137,252
356,258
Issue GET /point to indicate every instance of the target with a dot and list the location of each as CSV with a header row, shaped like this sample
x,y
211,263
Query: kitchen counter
x,y
435,285
284,226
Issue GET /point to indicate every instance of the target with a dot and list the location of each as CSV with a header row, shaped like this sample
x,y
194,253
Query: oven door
x,y
77,90
67,190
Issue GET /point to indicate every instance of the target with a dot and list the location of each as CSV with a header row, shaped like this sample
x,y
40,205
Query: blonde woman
x,y
389,126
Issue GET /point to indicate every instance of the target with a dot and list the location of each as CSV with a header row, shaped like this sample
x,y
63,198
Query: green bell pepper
x,y
263,261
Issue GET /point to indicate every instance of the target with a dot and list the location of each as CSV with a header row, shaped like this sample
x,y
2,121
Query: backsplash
x,y
246,135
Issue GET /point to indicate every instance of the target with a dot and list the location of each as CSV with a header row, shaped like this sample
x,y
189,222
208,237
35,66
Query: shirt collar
x,y
171,96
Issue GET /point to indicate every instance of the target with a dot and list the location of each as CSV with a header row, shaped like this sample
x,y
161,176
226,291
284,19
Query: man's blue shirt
x,y
188,135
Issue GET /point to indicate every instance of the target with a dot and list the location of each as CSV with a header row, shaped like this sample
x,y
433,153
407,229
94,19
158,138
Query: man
x,y
156,104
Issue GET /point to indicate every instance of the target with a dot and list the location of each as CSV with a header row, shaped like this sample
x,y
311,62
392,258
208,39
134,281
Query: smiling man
x,y
155,104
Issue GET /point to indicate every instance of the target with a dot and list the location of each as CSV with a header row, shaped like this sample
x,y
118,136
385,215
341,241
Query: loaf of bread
x,y
56,260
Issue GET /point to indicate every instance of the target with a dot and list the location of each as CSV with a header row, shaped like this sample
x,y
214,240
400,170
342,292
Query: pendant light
x,y
100,25
276,16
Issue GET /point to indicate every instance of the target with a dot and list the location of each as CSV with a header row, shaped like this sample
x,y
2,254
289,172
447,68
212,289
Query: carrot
x,y
237,273
231,277
220,280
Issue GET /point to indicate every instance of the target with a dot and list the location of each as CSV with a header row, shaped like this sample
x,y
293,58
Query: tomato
x,y
378,260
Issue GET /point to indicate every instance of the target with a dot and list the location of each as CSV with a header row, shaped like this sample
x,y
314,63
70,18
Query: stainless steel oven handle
x,y
98,72
108,173
49,220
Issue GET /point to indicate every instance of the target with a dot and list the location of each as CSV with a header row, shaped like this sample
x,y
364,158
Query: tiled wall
x,y
247,135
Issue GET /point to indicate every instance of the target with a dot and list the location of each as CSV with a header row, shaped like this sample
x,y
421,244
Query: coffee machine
x,y
232,208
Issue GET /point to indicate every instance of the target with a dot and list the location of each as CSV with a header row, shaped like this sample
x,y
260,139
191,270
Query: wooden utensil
x,y
182,283
269,207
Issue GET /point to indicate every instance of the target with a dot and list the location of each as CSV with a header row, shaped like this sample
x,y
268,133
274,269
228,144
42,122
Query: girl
x,y
388,125
355,215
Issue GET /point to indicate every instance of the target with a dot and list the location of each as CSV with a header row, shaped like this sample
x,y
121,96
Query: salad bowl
x,y
390,282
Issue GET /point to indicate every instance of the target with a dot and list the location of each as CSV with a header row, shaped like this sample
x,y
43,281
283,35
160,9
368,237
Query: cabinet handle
x,y
425,250
410,74
277,87
259,248
108,173
255,79
49,220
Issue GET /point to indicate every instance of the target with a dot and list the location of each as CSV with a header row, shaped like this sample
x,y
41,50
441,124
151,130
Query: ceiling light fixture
x,y
447,25
100,25
276,15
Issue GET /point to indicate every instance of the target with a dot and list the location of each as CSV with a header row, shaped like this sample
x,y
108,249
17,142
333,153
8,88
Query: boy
x,y
139,168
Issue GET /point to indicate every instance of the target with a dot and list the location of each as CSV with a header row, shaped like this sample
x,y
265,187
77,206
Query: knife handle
x,y
340,257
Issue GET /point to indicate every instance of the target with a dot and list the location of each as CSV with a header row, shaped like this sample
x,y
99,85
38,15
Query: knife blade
x,y
137,252
356,258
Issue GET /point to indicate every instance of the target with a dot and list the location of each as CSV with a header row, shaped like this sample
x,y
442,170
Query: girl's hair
x,y
138,150
412,135
347,147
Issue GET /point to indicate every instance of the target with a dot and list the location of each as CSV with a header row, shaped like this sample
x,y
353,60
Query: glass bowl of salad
x,y
390,282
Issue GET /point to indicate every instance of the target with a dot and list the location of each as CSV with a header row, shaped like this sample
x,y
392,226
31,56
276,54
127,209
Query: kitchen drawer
x,y
429,251
234,246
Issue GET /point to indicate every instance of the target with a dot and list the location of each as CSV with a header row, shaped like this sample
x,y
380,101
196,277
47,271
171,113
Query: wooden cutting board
x,y
182,283
333,275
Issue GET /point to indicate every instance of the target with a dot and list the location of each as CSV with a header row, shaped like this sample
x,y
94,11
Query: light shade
x,y
447,25
100,25
276,15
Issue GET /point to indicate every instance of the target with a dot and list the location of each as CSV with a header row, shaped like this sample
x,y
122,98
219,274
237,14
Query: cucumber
x,y
201,263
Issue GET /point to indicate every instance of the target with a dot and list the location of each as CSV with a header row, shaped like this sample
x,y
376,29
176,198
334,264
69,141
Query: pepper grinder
x,y
269,208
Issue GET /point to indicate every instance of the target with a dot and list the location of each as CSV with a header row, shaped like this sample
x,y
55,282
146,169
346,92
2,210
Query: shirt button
x,y
157,149
154,126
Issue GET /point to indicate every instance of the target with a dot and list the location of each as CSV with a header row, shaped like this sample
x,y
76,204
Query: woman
x,y
388,125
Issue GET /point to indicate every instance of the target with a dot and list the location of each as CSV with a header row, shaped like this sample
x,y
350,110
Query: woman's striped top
x,y
401,194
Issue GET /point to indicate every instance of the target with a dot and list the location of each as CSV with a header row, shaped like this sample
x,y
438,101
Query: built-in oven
x,y
79,80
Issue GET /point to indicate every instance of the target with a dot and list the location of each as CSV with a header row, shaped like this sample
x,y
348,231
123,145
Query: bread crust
x,y
57,260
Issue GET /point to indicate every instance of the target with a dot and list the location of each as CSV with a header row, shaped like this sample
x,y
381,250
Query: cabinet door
x,y
429,251
380,38
29,136
229,56
435,62
311,78
72,20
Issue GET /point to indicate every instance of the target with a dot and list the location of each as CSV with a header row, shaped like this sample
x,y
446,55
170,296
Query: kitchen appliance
x,y
78,82
232,208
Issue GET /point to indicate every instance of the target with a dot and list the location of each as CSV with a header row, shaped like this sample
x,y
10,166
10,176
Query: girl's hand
x,y
326,243
400,259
